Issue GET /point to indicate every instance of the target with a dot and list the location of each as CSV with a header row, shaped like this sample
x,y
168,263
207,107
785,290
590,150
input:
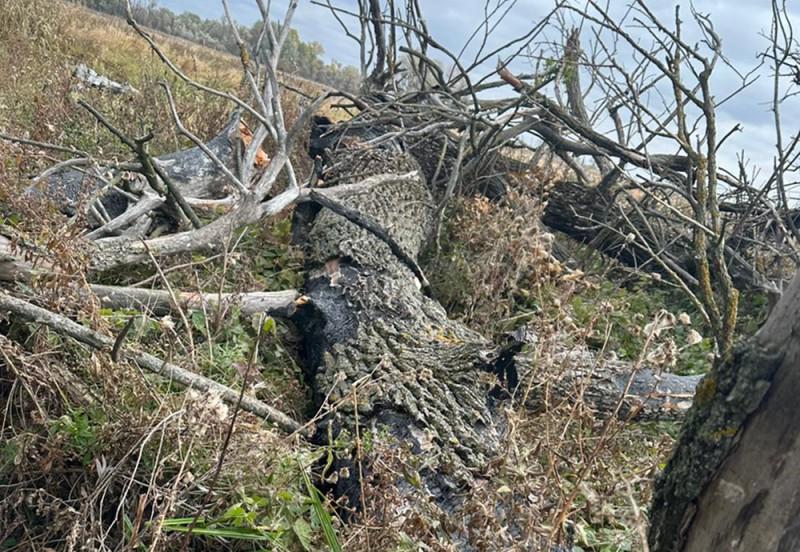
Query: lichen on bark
x,y
725,398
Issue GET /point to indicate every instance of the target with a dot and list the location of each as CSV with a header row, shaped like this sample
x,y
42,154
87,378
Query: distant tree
x,y
301,58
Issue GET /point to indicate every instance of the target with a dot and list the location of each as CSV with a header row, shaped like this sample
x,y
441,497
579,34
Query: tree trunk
x,y
379,348
732,482
630,233
381,354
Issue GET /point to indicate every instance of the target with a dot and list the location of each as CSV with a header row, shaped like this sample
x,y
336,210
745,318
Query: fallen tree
x,y
198,176
382,351
598,218
625,229
681,215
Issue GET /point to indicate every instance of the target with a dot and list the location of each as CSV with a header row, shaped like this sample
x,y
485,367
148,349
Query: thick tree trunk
x,y
384,355
733,480
377,347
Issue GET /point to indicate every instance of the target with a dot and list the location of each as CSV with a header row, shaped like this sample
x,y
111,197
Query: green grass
x,y
294,518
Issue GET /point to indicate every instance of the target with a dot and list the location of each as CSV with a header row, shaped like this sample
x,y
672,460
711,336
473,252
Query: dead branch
x,y
171,372
276,303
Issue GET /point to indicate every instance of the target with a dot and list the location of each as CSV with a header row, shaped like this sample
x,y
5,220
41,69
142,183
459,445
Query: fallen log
x,y
196,175
390,359
89,76
12,268
158,301
592,215
613,388
633,235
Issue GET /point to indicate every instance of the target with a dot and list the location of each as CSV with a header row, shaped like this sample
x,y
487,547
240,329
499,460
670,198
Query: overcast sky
x,y
738,22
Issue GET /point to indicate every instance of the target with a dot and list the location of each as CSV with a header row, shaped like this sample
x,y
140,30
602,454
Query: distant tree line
x,y
300,58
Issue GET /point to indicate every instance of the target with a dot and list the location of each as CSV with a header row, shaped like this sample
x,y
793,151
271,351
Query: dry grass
x,y
37,93
95,453
494,257
566,475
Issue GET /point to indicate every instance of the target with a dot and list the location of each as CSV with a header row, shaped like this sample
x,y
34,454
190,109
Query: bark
x,y
435,152
374,344
12,268
732,481
593,216
616,388
387,356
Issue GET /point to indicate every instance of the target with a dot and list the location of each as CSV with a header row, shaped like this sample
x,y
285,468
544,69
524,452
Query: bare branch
x,y
171,372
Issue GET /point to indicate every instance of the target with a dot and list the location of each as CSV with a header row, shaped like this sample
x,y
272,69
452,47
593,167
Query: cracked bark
x,y
388,357
368,324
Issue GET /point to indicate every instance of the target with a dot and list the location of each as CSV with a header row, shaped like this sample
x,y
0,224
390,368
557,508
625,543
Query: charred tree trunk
x,y
732,481
380,349
381,354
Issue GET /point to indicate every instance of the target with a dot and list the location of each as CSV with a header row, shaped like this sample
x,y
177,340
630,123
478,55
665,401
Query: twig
x,y
150,168
121,339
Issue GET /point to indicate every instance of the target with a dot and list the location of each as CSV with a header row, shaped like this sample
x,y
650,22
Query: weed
x,y
79,428
287,519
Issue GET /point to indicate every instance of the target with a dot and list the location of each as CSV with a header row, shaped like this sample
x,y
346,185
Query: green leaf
x,y
199,320
182,525
234,513
268,326
322,515
235,533
302,530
